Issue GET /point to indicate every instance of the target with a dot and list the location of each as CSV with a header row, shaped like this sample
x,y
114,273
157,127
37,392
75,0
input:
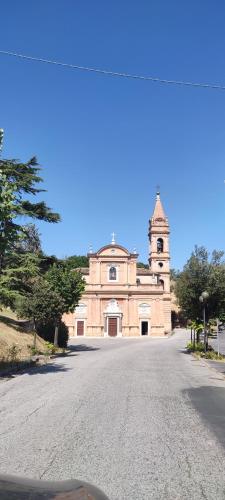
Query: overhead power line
x,y
115,73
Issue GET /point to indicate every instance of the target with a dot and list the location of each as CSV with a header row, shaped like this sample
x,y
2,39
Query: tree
x,y
47,261
47,332
29,240
141,265
75,261
8,230
216,288
191,282
200,274
69,285
17,277
17,181
174,274
43,305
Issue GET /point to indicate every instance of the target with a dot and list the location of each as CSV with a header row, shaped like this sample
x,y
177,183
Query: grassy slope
x,y
13,331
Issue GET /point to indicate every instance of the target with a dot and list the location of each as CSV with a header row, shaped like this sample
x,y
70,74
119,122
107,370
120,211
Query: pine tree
x,y
17,182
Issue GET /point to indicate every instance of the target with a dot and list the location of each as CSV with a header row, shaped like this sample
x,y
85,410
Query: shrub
x,y
33,350
13,353
50,348
197,347
212,355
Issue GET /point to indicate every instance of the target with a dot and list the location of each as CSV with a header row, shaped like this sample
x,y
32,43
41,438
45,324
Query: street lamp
x,y
1,137
203,299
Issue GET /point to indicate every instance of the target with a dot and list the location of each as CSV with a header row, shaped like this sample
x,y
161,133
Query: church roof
x,y
141,271
113,246
158,210
83,270
113,250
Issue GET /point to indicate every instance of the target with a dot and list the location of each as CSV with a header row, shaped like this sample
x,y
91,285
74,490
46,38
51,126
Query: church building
x,y
121,299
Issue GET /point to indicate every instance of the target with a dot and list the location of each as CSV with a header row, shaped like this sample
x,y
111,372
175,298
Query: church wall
x,y
131,307
132,272
167,315
147,280
157,320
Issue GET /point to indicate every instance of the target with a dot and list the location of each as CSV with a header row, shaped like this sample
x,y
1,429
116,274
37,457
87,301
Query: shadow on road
x,y
210,404
184,351
82,347
34,370
48,368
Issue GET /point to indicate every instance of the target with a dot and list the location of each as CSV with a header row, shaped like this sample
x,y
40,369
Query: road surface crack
x,y
49,464
23,422
34,411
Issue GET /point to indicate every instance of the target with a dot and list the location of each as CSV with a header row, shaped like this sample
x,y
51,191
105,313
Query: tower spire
x,y
158,210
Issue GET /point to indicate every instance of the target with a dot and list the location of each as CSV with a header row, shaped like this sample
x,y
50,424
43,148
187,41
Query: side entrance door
x,y
144,328
112,327
80,328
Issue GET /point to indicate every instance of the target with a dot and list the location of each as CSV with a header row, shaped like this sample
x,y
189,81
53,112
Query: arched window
x,y
161,282
159,245
160,264
112,273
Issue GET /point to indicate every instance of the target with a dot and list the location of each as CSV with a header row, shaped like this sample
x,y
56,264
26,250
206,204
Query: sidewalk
x,y
219,366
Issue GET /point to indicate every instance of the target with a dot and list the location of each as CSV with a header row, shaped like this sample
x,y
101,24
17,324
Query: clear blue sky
x,y
105,143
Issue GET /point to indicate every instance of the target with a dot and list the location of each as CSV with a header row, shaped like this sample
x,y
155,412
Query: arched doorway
x,y
113,319
112,326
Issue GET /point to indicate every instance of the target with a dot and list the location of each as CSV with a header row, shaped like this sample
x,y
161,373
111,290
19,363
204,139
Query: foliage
x,y
200,274
199,348
42,304
47,332
50,348
222,317
212,355
48,298
195,347
34,350
174,274
141,265
13,353
75,261
69,285
178,319
17,277
17,181
28,240
8,231
47,261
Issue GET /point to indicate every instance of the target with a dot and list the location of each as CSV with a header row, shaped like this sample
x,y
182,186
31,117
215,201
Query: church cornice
x,y
114,247
121,293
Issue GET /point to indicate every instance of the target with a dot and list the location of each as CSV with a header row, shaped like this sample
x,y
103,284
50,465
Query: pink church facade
x,y
121,299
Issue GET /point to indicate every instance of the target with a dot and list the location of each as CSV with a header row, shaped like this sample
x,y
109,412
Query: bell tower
x,y
159,257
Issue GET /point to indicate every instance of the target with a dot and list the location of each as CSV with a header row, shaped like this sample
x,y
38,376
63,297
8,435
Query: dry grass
x,y
16,332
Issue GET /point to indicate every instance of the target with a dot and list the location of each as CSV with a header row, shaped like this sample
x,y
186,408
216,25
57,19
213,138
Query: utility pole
x,y
203,299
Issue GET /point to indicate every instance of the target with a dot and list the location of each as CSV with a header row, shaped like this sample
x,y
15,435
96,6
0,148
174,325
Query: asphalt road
x,y
139,418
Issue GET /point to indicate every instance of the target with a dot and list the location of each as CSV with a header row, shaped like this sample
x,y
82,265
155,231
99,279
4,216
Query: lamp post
x,y
203,299
1,138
